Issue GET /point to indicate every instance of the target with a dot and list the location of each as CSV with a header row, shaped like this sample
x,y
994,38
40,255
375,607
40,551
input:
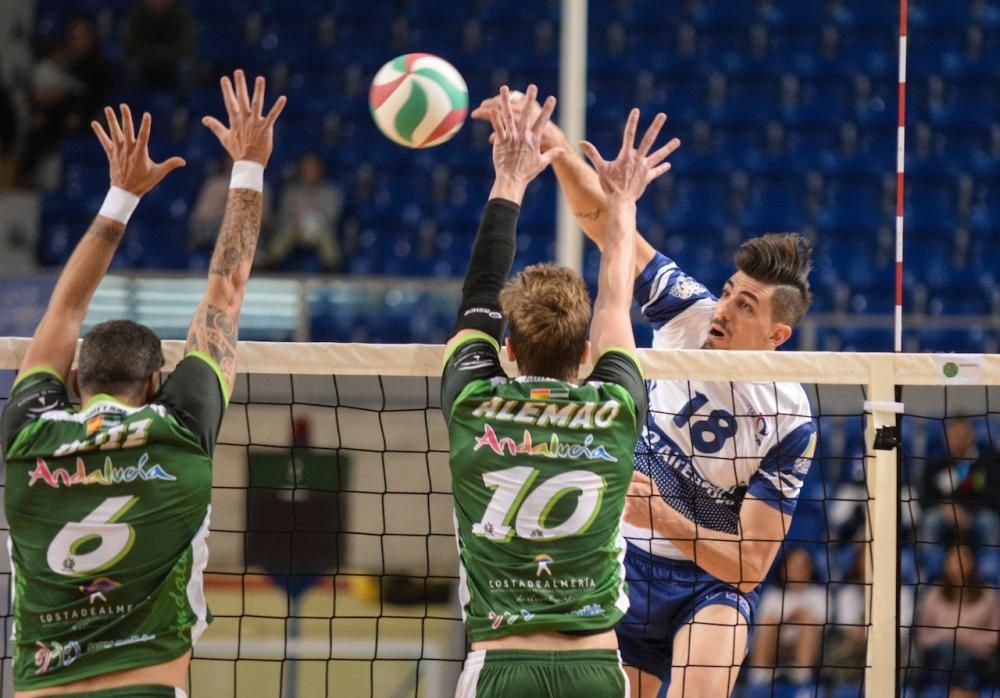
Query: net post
x,y
572,117
882,660
900,179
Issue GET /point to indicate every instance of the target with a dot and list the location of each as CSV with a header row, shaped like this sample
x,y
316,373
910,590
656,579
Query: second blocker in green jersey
x,y
540,469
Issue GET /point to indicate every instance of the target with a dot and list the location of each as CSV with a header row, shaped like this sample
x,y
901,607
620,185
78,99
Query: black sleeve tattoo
x,y
237,241
214,331
215,327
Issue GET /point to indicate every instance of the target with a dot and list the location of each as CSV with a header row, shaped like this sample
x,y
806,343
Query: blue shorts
x,y
664,595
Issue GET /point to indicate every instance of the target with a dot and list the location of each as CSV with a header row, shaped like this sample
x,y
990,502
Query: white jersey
x,y
709,444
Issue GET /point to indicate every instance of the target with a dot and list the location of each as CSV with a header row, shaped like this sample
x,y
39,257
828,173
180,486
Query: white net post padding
x,y
877,374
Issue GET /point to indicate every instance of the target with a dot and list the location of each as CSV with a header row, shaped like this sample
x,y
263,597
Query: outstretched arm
x,y
517,159
622,181
133,174
580,184
248,140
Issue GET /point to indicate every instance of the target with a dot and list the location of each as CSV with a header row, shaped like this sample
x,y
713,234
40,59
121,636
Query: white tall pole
x,y
572,118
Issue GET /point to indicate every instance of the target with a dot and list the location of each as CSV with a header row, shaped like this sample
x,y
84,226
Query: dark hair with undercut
x,y
548,311
118,357
783,260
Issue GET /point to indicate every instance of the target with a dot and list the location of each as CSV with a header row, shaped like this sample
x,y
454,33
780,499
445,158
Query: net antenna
x,y
900,179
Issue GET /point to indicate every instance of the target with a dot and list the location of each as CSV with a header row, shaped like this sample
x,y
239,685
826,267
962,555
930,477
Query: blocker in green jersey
x,y
541,464
540,468
109,505
109,512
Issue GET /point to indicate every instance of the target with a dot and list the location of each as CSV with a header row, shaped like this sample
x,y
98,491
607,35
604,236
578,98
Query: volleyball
x,y
418,100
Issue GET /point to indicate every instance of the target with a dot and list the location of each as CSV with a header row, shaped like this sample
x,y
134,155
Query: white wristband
x,y
247,174
118,205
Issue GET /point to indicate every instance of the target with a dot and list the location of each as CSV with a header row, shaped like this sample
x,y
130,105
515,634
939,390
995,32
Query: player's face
x,y
742,318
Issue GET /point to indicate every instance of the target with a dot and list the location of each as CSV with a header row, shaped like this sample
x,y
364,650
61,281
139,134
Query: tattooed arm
x,y
578,181
132,171
582,188
216,323
248,140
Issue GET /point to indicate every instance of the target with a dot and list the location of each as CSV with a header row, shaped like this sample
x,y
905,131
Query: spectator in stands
x,y
92,71
69,85
159,41
789,623
958,623
845,647
206,218
52,88
8,135
960,493
307,221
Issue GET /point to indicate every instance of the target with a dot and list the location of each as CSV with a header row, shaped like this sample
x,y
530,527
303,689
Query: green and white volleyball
x,y
418,100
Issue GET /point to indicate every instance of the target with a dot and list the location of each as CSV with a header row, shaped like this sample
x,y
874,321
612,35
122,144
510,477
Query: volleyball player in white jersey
x,y
719,466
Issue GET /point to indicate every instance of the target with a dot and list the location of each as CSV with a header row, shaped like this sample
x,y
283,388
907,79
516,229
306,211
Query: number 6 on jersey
x,y
116,539
510,494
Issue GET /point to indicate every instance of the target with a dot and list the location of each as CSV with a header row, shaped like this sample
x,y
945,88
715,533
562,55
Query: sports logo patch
x,y
685,287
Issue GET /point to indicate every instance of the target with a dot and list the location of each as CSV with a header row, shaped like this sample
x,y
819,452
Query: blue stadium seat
x,y
847,690
866,339
972,340
965,299
774,208
802,13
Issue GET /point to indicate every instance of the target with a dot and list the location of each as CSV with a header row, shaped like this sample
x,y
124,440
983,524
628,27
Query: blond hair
x,y
548,309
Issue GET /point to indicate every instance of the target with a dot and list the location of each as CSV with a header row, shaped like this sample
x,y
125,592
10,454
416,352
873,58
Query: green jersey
x,y
109,510
540,469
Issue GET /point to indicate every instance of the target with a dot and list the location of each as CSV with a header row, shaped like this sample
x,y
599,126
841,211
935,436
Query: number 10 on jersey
x,y
513,496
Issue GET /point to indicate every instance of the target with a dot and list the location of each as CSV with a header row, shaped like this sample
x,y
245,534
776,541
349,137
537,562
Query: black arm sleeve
x,y
32,397
475,359
620,368
489,267
193,393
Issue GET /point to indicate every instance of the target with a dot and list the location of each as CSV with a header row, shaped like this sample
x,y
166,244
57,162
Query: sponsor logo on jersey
x,y
549,394
96,589
42,406
737,601
553,448
498,619
760,428
179,595
476,362
594,609
803,462
527,615
108,644
575,415
496,315
684,287
520,584
543,561
96,611
669,455
131,435
55,655
110,474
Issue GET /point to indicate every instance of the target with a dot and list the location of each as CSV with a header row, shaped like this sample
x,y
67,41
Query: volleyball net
x,y
333,565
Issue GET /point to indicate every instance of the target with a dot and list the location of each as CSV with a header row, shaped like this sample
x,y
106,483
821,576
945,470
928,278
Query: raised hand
x,y
517,140
552,136
250,135
128,155
633,169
